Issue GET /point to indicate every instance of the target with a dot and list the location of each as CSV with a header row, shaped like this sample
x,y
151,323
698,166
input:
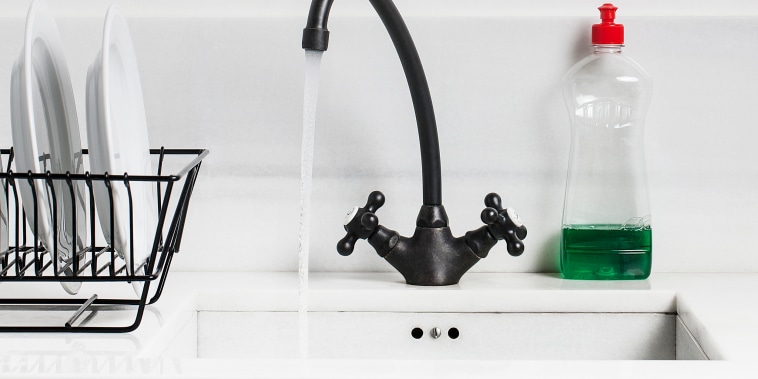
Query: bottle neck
x,y
607,49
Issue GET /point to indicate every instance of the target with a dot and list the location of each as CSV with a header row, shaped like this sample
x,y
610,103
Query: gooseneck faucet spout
x,y
432,256
315,34
316,37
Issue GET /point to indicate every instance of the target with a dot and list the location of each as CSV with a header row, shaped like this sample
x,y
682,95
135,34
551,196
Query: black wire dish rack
x,y
33,263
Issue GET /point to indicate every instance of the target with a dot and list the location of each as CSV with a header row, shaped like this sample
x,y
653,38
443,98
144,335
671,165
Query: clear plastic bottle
x,y
606,230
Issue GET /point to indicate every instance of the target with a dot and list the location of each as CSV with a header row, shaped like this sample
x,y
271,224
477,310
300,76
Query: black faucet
x,y
432,256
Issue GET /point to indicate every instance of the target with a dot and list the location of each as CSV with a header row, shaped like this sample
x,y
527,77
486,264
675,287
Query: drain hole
x,y
453,333
417,333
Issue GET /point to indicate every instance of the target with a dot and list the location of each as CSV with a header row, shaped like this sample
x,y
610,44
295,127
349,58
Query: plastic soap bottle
x,y
606,231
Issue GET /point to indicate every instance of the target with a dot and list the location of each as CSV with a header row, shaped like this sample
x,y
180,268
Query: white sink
x,y
390,335
225,324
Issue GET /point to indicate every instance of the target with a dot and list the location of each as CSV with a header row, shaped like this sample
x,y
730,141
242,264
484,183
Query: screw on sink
x,y
435,333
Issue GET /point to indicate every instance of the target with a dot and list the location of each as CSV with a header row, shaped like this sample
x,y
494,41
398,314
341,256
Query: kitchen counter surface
x,y
720,310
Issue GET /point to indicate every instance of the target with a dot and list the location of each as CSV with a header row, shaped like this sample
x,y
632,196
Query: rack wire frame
x,y
24,263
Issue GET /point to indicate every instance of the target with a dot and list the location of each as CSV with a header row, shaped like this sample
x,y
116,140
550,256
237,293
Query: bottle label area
x,y
605,114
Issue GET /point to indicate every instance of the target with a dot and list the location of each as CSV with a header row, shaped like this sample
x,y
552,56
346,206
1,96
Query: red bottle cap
x,y
607,32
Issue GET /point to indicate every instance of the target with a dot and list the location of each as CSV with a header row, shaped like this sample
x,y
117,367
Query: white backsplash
x,y
233,84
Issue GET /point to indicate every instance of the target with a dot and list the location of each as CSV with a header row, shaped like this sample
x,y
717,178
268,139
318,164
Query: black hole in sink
x,y
453,333
417,333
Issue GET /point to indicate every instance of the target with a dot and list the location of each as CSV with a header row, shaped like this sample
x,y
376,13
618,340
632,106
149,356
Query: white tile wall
x,y
229,78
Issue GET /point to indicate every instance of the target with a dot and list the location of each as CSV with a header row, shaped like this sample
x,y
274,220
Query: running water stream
x,y
310,97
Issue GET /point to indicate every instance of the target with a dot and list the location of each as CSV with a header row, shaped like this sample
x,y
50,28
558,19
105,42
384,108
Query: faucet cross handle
x,y
360,223
504,224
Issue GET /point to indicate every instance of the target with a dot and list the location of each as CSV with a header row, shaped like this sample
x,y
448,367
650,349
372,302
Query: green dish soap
x,y
606,252
606,231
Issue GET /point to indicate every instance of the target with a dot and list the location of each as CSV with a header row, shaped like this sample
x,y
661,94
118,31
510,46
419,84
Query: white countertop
x,y
720,310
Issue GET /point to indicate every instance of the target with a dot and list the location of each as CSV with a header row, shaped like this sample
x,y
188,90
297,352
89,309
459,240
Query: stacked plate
x,y
46,138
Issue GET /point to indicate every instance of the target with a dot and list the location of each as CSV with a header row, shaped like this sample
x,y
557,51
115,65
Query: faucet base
x,y
432,257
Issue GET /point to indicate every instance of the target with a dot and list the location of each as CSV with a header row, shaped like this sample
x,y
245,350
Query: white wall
x,y
228,76
409,8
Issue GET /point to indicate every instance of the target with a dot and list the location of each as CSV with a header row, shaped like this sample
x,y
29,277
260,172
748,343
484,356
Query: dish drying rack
x,y
27,260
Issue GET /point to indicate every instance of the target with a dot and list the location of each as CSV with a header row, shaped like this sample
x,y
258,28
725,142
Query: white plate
x,y
46,136
118,142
